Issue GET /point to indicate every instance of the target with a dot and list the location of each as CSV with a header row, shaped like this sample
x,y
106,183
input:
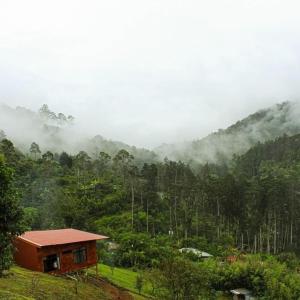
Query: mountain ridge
x,y
219,147
58,133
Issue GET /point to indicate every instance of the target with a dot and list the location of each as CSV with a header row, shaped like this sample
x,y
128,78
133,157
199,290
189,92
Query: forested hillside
x,y
252,205
220,146
58,132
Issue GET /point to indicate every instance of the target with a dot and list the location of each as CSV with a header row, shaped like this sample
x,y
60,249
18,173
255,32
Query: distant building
x,y
242,294
196,252
112,246
231,258
56,251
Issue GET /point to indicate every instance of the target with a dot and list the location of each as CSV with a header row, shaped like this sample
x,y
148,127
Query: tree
x,y
123,163
2,135
35,149
44,110
11,155
62,119
82,163
104,159
48,156
65,160
46,113
11,215
70,119
180,279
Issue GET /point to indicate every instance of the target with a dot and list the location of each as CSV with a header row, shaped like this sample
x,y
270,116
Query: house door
x,y
51,263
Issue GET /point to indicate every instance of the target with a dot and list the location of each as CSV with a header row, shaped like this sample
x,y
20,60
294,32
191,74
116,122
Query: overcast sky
x,y
150,71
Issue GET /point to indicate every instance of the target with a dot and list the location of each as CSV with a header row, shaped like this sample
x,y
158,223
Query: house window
x,y
79,255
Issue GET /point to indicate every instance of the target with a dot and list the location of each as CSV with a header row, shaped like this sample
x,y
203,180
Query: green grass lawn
x,y
124,278
22,284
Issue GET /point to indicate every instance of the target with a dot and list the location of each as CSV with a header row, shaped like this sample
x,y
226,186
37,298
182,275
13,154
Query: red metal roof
x,y
58,237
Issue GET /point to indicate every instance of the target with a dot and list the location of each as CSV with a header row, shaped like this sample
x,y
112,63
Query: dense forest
x,y
248,204
252,204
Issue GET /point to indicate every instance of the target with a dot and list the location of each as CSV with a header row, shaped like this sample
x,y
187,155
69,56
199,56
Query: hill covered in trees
x,y
58,132
251,204
220,146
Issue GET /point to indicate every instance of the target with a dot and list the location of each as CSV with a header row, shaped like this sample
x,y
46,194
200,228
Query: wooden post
x,y
97,261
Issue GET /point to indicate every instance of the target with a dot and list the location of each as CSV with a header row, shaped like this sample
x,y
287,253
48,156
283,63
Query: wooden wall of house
x,y
26,255
31,257
65,253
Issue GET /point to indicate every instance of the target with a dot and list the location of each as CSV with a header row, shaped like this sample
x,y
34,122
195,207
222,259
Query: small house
x,y
241,294
56,251
196,252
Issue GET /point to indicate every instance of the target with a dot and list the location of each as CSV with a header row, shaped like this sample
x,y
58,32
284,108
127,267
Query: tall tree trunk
x,y
132,206
147,215
275,235
291,236
197,221
248,239
185,223
175,217
285,237
260,240
242,242
268,241
170,219
218,219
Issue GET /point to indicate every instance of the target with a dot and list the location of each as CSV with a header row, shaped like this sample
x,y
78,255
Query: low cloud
x,y
149,72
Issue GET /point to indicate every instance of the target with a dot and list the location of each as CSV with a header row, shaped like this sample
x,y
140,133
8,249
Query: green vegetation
x,y
247,207
10,215
24,284
265,276
179,278
124,278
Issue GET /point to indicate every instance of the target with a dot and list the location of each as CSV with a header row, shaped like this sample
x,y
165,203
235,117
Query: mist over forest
x,y
220,146
149,150
233,194
58,132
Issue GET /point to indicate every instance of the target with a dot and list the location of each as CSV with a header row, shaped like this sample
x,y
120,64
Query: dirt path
x,y
110,290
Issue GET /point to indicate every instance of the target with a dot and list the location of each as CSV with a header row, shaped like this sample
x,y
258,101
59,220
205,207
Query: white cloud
x,y
147,72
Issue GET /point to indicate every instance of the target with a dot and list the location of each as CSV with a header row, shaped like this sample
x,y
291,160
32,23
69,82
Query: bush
x,y
266,277
178,278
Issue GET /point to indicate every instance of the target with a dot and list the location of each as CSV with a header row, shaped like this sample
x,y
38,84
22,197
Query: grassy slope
x,y
23,284
26,285
124,278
